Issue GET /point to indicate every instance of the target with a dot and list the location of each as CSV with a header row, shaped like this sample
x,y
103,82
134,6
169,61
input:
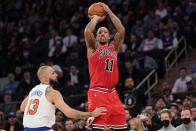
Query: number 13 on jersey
x,y
32,107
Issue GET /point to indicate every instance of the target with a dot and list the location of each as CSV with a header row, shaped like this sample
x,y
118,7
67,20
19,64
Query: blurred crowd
x,y
50,32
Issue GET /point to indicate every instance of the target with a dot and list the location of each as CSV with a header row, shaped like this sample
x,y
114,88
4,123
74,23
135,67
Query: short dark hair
x,y
187,108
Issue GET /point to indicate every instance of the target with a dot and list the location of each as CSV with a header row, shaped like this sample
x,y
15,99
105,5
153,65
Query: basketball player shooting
x,y
103,69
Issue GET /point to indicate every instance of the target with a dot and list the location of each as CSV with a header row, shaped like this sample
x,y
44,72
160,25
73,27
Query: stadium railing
x,y
174,55
150,81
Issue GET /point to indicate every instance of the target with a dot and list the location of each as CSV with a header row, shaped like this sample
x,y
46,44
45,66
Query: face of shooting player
x,y
103,36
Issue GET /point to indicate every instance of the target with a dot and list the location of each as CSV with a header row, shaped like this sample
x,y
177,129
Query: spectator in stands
x,y
137,124
18,73
153,47
146,118
133,97
61,77
128,69
60,118
75,76
160,104
69,125
193,110
25,86
133,45
128,115
142,65
11,86
168,40
58,127
161,11
186,101
166,91
166,120
13,124
70,38
188,123
151,42
19,116
180,84
176,121
57,52
155,121
8,106
81,125
138,28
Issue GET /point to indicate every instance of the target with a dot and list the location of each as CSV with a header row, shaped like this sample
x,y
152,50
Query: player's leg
x,y
98,99
118,115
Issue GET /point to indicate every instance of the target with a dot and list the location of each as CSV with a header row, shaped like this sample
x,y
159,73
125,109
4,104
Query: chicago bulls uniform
x,y
103,69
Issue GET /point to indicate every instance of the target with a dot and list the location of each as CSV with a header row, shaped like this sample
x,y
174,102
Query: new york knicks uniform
x,y
39,113
103,69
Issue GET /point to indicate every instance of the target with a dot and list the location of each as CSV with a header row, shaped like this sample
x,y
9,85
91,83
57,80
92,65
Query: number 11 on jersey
x,y
107,63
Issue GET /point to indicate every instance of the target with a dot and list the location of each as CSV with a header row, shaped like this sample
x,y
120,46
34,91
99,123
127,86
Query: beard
x,y
53,83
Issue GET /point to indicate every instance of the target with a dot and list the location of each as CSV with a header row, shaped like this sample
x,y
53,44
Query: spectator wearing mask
x,y
188,123
176,121
166,121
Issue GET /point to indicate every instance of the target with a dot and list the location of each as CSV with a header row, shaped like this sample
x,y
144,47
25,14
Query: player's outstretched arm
x,y
55,97
119,36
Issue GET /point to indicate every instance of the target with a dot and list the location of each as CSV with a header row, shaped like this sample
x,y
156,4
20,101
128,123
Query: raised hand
x,y
106,8
99,111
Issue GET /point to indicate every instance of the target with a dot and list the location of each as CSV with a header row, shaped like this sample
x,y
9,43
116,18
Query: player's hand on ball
x,y
106,8
99,111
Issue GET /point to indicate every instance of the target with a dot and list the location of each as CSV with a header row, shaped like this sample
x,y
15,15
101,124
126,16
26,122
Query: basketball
x,y
96,9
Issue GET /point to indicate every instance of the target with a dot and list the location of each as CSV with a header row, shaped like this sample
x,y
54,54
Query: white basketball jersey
x,y
39,112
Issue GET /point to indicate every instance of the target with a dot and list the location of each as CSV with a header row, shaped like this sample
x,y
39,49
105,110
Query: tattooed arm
x,y
119,36
89,36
